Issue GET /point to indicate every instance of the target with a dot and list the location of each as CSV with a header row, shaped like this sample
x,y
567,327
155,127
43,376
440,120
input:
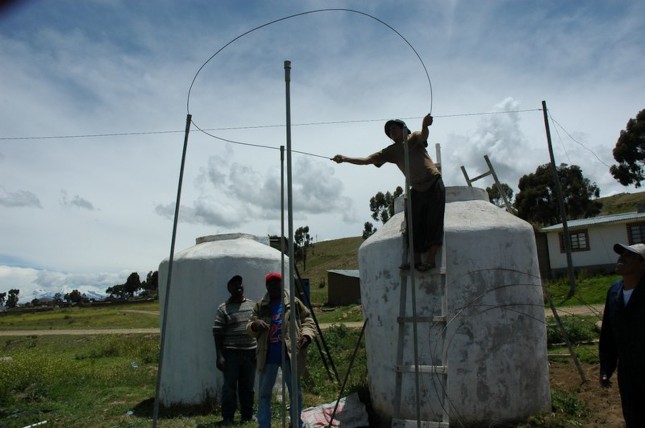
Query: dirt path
x,y
573,310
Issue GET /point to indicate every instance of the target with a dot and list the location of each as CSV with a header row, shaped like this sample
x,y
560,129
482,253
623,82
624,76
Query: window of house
x,y
636,233
579,241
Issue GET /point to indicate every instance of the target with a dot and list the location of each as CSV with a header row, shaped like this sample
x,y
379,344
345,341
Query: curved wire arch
x,y
298,15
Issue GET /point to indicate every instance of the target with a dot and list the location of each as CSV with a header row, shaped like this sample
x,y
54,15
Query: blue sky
x,y
112,79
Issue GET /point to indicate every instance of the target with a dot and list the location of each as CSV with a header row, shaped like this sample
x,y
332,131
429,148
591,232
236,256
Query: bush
x,y
578,329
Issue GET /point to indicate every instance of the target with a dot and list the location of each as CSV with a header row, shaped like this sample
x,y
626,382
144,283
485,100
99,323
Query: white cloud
x,y
19,198
68,72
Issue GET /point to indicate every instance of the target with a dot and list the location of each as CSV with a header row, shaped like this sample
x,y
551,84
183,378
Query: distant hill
x,y
621,203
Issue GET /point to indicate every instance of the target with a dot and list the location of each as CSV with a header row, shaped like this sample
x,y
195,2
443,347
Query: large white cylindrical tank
x,y
199,285
495,335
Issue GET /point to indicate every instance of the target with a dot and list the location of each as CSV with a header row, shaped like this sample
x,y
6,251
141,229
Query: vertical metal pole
x,y
164,320
282,249
408,196
563,214
295,410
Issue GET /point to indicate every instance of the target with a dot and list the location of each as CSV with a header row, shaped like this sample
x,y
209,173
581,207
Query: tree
x,y
117,291
302,241
58,297
495,194
132,284
537,203
12,299
629,152
368,230
151,285
73,297
3,298
382,205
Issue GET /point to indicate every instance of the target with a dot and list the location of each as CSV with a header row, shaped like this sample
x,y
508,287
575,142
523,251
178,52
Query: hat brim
x,y
621,248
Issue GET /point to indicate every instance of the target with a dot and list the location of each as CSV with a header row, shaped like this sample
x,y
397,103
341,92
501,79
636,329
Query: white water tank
x,y
495,335
200,276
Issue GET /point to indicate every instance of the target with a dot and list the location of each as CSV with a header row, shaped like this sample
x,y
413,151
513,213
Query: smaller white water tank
x,y
199,285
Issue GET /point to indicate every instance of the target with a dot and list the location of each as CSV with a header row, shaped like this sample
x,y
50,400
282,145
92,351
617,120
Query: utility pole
x,y
563,214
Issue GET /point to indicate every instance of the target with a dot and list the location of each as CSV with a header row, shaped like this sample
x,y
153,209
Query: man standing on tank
x,y
428,194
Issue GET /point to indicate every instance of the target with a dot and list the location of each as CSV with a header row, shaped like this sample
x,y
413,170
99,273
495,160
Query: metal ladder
x,y
427,368
438,277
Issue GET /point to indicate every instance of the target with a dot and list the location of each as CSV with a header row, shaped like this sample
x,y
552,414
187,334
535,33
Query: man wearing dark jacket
x,y
622,337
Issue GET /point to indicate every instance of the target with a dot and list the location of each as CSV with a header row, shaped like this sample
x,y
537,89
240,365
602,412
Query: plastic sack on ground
x,y
351,413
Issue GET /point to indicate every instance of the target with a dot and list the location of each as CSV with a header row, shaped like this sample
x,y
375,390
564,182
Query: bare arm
x,y
356,161
427,121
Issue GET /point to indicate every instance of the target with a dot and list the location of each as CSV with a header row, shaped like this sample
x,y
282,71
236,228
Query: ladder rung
x,y
435,319
423,369
405,423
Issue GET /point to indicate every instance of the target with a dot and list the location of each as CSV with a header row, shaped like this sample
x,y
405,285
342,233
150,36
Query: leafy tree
x,y
537,203
629,152
369,230
382,205
302,241
496,193
131,286
3,298
58,297
12,299
73,297
151,284
117,291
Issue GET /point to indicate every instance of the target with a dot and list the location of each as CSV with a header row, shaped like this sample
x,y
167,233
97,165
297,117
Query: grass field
x,y
110,380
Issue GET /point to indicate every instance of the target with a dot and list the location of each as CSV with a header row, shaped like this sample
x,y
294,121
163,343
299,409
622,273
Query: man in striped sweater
x,y
235,352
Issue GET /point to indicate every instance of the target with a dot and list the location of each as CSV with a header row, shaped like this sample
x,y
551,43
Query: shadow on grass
x,y
145,409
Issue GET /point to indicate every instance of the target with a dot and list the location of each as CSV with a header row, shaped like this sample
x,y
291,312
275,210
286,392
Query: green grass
x,y
110,380
590,290
144,315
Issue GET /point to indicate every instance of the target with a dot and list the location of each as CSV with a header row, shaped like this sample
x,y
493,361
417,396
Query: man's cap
x,y
234,279
638,249
273,276
397,122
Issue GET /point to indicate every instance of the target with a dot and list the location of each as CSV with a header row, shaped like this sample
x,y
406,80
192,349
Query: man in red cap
x,y
269,324
428,194
622,336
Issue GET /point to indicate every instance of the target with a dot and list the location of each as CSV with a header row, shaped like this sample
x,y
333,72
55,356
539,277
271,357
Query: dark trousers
x,y
428,209
632,397
239,380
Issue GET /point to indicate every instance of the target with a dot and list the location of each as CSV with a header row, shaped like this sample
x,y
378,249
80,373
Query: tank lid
x,y
453,194
229,236
466,193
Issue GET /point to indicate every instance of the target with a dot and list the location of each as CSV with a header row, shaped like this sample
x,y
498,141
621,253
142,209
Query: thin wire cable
x,y
576,141
256,145
235,128
302,14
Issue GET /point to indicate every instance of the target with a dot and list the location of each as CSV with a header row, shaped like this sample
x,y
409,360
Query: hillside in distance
x,y
621,203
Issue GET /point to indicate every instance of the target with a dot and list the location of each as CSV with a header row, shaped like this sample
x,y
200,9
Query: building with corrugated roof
x,y
592,241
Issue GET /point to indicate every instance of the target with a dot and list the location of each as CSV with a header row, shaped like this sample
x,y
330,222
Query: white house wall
x,y
601,241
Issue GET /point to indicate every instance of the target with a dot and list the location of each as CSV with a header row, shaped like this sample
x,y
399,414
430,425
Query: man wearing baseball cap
x,y
428,194
269,324
235,353
622,336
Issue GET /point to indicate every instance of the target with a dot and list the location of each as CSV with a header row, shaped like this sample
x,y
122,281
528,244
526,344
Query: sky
x,y
95,96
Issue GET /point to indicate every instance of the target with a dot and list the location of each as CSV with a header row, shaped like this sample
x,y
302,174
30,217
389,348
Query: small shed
x,y
344,287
